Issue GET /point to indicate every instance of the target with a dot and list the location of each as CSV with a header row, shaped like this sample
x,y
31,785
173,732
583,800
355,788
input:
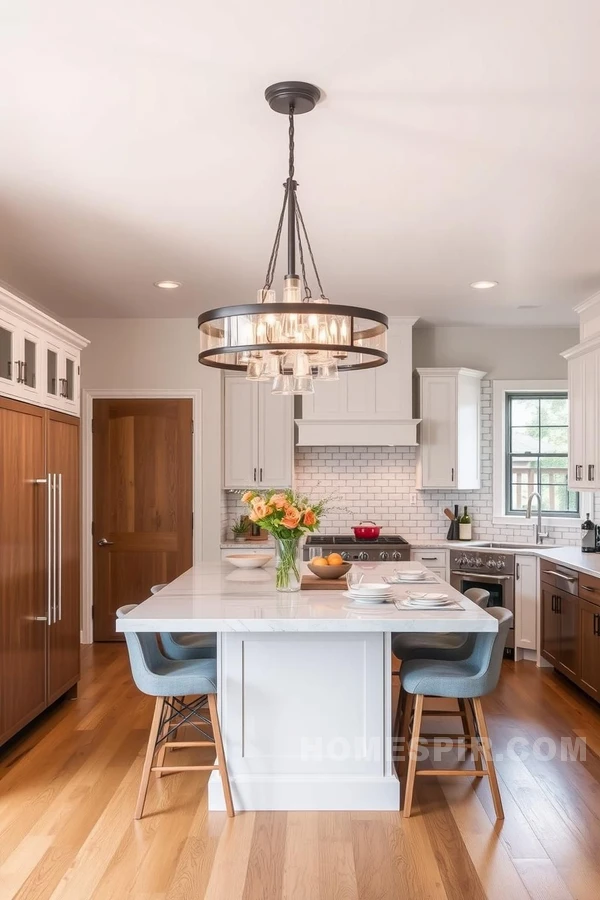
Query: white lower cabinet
x,y
258,435
526,602
434,560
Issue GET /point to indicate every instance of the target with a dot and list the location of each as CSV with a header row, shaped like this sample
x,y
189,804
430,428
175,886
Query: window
x,y
536,448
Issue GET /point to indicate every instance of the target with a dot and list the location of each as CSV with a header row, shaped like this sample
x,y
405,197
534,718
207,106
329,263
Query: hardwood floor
x,y
68,788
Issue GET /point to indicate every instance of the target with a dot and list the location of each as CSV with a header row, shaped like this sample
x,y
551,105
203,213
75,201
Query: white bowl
x,y
249,560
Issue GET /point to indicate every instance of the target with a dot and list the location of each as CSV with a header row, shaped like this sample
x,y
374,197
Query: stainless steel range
x,y
388,547
495,572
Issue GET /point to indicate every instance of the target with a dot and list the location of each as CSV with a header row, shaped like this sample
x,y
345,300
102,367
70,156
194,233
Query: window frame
x,y
509,396
500,390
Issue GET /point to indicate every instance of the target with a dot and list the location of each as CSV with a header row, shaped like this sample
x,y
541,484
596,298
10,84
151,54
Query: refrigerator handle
x,y
58,547
48,481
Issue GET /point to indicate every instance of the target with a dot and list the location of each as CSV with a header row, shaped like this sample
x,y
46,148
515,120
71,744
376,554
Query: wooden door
x,y
549,628
22,565
64,626
589,623
275,438
568,656
240,433
142,458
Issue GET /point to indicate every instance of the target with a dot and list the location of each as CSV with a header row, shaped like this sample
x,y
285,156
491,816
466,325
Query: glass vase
x,y
287,575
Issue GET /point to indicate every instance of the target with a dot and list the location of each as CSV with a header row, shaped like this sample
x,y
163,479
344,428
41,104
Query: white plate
x,y
385,589
410,573
370,588
428,596
447,605
365,600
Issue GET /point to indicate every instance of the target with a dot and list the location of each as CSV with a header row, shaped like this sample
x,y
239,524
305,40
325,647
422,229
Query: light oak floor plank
x,y
68,786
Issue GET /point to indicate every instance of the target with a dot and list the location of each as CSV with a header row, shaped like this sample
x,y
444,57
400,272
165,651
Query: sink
x,y
507,545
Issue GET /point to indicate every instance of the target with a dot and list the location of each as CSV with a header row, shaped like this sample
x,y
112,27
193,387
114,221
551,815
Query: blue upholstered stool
x,y
187,644
439,646
469,679
171,681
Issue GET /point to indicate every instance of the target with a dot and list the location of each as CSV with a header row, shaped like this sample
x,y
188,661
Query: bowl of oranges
x,y
330,567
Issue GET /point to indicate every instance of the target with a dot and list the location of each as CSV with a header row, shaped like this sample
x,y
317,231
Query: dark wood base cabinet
x,y
570,632
39,561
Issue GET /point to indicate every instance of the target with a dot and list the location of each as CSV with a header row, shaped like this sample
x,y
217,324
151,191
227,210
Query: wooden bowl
x,y
330,572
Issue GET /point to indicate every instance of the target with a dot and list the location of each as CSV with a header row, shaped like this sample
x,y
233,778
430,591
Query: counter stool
x,y
171,681
438,646
187,644
467,679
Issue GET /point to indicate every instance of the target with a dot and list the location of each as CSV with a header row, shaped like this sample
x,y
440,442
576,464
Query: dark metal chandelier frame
x,y
355,337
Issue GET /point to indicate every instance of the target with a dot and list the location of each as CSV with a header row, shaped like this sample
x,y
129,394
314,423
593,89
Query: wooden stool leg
x,y
160,759
221,761
487,753
412,756
152,738
409,701
399,712
471,731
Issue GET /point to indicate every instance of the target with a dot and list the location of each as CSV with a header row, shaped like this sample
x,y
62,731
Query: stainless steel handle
x,y
40,618
18,365
518,572
55,567
49,544
584,587
578,473
591,470
559,575
475,576
104,543
58,548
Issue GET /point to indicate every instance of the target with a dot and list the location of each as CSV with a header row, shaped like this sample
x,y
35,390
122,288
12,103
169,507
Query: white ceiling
x,y
456,141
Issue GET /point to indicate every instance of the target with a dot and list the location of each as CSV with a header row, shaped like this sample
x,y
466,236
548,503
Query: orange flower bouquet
x,y
287,516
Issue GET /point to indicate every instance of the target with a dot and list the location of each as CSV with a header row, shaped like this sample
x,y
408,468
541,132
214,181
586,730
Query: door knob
x,y
104,543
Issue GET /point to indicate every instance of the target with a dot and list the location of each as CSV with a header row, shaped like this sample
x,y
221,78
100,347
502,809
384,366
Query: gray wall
x,y
503,353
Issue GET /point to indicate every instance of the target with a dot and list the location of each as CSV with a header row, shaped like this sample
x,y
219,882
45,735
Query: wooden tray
x,y
314,583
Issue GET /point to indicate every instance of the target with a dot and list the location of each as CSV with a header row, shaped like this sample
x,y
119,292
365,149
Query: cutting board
x,y
314,583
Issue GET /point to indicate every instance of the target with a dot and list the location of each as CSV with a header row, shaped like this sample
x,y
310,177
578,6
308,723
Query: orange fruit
x,y
319,561
334,559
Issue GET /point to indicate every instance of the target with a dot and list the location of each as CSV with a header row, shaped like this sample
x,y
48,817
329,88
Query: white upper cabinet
x,y
258,435
370,407
449,454
584,415
39,357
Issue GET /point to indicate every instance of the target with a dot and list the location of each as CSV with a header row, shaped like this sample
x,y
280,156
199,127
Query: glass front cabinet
x,y
39,360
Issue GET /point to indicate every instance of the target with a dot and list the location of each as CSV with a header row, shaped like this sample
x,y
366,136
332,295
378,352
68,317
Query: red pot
x,y
366,531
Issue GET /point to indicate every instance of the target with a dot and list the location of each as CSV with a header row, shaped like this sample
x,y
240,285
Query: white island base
x,y
304,682
307,721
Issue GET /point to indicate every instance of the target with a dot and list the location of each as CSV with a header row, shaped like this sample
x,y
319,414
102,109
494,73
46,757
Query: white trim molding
x,y
87,557
500,390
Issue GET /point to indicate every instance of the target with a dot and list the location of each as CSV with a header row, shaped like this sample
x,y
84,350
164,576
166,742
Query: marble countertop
x,y
588,563
219,597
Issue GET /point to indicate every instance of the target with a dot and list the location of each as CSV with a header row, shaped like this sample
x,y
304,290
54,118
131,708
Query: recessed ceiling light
x,y
167,285
483,285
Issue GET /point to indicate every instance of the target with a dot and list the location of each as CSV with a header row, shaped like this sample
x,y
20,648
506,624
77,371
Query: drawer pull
x,y
584,587
560,575
429,558
597,624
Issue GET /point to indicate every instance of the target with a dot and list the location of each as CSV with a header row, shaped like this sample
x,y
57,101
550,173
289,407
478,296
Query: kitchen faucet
x,y
539,534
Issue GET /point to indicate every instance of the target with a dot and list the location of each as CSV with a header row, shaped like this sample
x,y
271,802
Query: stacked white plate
x,y
370,593
428,599
411,574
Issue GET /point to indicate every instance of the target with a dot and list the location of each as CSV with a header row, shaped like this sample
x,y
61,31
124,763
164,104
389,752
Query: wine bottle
x,y
465,527
588,536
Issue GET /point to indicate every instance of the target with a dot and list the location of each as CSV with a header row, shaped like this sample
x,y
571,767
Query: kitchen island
x,y
305,693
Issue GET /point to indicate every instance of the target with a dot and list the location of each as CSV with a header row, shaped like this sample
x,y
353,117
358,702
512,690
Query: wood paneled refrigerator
x,y
39,560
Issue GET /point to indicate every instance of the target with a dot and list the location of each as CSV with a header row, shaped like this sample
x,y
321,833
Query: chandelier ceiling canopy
x,y
302,338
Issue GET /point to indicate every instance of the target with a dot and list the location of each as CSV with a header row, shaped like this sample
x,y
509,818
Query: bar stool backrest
x,y
488,652
145,657
479,596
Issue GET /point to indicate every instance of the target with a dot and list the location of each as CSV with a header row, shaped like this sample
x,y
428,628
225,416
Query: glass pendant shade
x,y
283,384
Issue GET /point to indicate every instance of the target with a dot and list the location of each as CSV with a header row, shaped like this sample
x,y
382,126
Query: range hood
x,y
371,408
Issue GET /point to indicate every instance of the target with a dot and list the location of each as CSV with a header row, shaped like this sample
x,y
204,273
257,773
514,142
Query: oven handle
x,y
475,576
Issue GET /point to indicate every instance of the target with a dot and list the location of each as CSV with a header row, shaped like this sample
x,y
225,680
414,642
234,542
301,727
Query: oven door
x,y
502,593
